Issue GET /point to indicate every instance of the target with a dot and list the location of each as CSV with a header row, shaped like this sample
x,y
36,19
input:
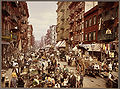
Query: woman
x,y
20,82
14,80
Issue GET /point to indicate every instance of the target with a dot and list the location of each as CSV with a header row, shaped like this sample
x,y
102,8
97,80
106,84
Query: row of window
x,y
90,36
90,22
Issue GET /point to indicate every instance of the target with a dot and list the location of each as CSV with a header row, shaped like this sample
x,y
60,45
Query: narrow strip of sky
x,y
42,15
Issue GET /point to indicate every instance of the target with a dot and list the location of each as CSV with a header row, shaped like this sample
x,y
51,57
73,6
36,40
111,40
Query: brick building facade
x,y
14,28
91,25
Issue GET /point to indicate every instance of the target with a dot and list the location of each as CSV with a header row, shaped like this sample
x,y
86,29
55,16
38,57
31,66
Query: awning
x,y
4,42
63,44
85,46
91,47
57,45
95,47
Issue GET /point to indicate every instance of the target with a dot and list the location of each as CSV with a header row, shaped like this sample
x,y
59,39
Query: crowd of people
x,y
39,69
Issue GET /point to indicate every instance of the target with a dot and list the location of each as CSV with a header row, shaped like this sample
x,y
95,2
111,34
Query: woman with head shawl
x,y
14,80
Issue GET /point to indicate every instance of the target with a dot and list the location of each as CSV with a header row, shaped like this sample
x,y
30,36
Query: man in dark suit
x,y
72,81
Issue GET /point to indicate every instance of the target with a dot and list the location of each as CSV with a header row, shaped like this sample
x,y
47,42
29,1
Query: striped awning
x,y
57,45
92,47
63,44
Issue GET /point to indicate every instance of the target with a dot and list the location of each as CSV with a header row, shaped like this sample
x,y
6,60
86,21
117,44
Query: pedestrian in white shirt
x,y
67,57
57,85
96,68
110,67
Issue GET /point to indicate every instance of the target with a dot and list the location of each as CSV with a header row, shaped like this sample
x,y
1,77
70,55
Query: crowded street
x,y
59,44
40,66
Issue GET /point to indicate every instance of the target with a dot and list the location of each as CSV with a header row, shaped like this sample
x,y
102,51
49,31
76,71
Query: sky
x,y
42,14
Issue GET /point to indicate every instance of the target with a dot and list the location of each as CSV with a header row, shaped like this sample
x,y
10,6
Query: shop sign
x,y
108,31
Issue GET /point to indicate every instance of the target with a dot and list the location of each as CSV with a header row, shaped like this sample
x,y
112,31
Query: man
x,y
57,85
67,57
65,69
49,61
14,80
69,60
96,68
58,68
72,81
20,82
48,67
81,80
110,66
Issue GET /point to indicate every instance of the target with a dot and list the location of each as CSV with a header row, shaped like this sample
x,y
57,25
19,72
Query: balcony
x,y
102,36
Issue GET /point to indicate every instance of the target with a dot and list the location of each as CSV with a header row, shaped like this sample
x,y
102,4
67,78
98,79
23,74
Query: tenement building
x,y
14,29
